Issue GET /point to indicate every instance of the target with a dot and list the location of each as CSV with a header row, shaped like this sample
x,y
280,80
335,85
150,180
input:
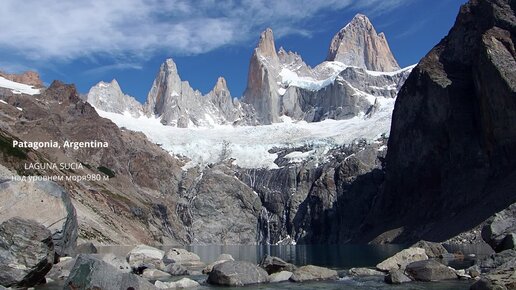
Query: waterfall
x,y
264,227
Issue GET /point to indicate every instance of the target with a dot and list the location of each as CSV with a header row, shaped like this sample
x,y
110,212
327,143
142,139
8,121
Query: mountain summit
x,y
281,84
358,44
262,80
177,104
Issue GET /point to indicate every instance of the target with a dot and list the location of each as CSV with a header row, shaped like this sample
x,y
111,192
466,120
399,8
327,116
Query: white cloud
x,y
110,67
66,30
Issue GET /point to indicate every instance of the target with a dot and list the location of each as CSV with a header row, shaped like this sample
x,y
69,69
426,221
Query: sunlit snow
x,y
18,88
250,145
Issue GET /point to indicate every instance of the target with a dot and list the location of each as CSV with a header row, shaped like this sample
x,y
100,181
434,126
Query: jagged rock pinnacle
x,y
358,44
266,46
170,65
221,85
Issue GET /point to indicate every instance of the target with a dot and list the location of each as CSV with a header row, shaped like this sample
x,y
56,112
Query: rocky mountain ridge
x,y
177,104
280,84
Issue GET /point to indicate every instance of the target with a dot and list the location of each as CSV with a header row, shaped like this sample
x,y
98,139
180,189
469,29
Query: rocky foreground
x,y
29,257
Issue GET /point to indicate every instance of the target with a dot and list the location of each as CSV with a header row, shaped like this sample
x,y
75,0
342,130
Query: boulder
x,y
509,242
225,257
92,273
401,259
177,255
396,277
500,278
180,284
432,250
312,273
143,256
44,202
280,276
430,270
500,281
154,274
500,230
119,263
463,274
474,271
507,257
86,248
222,258
61,270
176,270
364,272
485,284
237,273
26,252
273,264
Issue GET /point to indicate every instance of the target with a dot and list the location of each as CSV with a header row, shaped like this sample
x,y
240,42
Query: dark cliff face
x,y
451,159
313,203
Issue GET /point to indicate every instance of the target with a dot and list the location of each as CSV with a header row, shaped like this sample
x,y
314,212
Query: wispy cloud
x,y
112,67
66,30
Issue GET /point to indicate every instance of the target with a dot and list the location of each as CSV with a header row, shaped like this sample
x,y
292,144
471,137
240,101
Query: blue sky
x,y
84,42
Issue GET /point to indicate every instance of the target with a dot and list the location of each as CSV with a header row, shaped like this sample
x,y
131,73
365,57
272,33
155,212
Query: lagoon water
x,y
338,257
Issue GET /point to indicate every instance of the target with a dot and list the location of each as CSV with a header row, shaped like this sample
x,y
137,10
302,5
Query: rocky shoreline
x,y
28,258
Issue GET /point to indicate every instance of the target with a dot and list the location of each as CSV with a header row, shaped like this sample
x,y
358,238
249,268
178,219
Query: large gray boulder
x,y
273,264
183,257
180,284
143,256
119,263
500,230
401,259
221,259
432,250
154,274
86,248
26,252
280,276
396,277
430,270
313,273
494,261
92,273
501,274
46,203
237,273
176,269
364,272
498,280
61,270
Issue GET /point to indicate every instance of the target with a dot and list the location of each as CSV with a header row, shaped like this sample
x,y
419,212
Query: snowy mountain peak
x,y
115,85
17,87
110,98
358,44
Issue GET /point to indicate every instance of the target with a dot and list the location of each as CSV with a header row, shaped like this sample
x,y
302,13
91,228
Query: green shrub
x,y
106,171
